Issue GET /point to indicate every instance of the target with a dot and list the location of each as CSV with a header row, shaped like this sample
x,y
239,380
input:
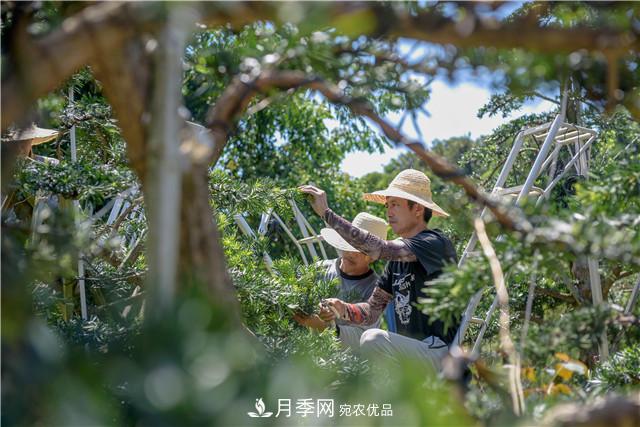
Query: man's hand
x,y
330,307
319,202
313,321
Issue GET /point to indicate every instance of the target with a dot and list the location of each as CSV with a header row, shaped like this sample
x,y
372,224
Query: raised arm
x,y
375,247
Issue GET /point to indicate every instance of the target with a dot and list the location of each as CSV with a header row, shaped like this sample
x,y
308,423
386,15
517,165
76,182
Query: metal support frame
x,y
633,298
596,296
557,134
76,211
310,235
246,229
301,224
309,239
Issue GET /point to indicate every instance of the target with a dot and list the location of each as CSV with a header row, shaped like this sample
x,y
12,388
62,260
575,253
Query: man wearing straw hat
x,y
356,277
18,144
417,257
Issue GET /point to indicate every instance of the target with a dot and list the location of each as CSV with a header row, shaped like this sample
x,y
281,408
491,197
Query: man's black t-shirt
x,y
405,281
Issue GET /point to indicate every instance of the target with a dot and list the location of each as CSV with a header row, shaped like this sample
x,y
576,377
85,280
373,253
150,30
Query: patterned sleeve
x,y
367,313
375,247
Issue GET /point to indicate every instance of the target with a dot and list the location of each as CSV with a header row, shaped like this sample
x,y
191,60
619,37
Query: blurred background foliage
x,y
195,367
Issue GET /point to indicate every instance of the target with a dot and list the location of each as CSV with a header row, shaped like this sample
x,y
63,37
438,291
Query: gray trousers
x,y
378,343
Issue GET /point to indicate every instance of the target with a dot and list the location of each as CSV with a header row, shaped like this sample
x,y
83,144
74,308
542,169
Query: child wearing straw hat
x,y
417,257
356,277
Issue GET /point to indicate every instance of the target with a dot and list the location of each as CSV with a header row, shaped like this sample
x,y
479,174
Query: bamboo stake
x,y
515,385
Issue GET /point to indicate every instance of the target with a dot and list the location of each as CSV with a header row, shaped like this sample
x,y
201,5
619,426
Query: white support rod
x,y
109,206
115,210
35,216
248,231
596,297
549,159
633,298
102,211
83,292
579,137
312,232
533,174
532,131
579,163
131,249
502,178
554,164
573,126
292,237
561,131
264,223
564,133
511,158
243,225
476,345
298,216
76,214
127,309
569,164
164,172
594,279
466,318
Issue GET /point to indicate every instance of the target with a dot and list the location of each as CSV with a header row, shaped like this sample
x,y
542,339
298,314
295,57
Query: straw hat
x,y
364,221
412,185
34,134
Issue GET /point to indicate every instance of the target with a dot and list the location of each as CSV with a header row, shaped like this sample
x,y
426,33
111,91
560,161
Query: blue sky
x,y
453,110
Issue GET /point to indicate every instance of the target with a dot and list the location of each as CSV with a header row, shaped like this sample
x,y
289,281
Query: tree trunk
x,y
202,260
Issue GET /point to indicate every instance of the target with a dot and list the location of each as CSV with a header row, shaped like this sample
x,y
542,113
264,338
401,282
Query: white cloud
x,y
453,112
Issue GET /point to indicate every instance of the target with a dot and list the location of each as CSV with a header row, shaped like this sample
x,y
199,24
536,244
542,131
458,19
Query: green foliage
x,y
85,181
192,367
233,196
447,296
574,332
620,373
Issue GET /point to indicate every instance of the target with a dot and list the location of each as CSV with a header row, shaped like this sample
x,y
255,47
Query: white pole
x,y
596,296
164,174
76,213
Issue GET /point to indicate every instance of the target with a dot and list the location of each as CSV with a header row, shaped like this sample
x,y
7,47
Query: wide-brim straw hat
x,y
412,185
364,221
34,134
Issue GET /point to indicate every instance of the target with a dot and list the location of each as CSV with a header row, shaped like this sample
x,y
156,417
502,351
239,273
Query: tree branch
x,y
239,93
506,342
569,299
70,47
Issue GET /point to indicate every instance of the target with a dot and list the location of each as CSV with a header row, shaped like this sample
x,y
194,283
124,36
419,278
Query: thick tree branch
x,y
515,35
70,47
241,91
39,66
569,299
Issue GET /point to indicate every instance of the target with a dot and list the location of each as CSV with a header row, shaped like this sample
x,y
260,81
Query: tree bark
x,y
125,76
202,259
72,46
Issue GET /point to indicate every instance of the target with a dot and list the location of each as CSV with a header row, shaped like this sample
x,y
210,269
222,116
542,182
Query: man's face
x,y
401,217
355,260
